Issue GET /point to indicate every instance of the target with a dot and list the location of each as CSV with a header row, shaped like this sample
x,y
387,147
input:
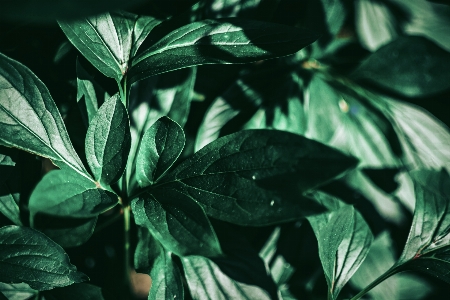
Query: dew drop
x,y
253,177
272,202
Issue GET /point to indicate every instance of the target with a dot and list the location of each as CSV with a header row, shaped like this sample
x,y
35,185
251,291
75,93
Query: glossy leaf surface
x,y
256,177
29,256
109,40
166,279
108,141
63,193
177,221
344,241
30,119
160,147
219,42
215,283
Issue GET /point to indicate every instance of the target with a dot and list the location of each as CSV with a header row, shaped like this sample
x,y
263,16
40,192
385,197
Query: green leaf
x,y
411,66
6,161
108,141
62,193
257,177
430,229
109,40
166,279
160,147
88,94
170,96
18,291
218,42
75,292
31,120
344,241
447,2
10,192
177,221
29,256
147,250
49,10
215,284
67,232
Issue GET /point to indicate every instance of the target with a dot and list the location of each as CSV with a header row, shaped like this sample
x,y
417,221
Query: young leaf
x,y
344,241
218,42
160,147
108,141
31,120
75,292
215,284
88,94
62,193
256,177
29,256
166,279
109,40
411,66
177,221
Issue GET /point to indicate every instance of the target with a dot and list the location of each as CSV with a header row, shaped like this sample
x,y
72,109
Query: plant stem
x,y
376,282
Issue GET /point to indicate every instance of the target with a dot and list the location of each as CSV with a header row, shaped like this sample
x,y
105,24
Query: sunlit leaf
x,y
108,141
29,256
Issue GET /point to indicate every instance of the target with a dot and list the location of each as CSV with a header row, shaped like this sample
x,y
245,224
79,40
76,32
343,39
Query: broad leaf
x,y
160,147
75,292
108,141
62,193
218,42
168,95
344,241
67,232
411,66
109,40
18,291
48,10
29,256
177,221
166,279
147,250
256,177
215,284
31,120
215,9
88,94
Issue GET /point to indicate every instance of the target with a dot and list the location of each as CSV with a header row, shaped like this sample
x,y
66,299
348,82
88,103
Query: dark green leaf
x,y
215,9
215,284
108,141
177,221
31,120
67,232
29,256
49,10
170,96
160,147
218,42
9,193
147,250
411,66
88,94
447,2
75,291
166,279
257,177
344,241
6,161
62,193
18,291
109,40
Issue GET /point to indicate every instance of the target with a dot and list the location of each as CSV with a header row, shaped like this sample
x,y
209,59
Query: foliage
x,y
195,152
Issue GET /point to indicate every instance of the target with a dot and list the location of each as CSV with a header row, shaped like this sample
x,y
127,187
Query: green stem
x,y
376,282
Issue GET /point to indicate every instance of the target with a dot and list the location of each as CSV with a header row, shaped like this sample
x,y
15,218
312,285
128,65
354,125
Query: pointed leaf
x,y
29,256
108,141
257,177
218,42
109,40
344,242
31,120
166,279
160,147
63,193
214,283
177,221
88,94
